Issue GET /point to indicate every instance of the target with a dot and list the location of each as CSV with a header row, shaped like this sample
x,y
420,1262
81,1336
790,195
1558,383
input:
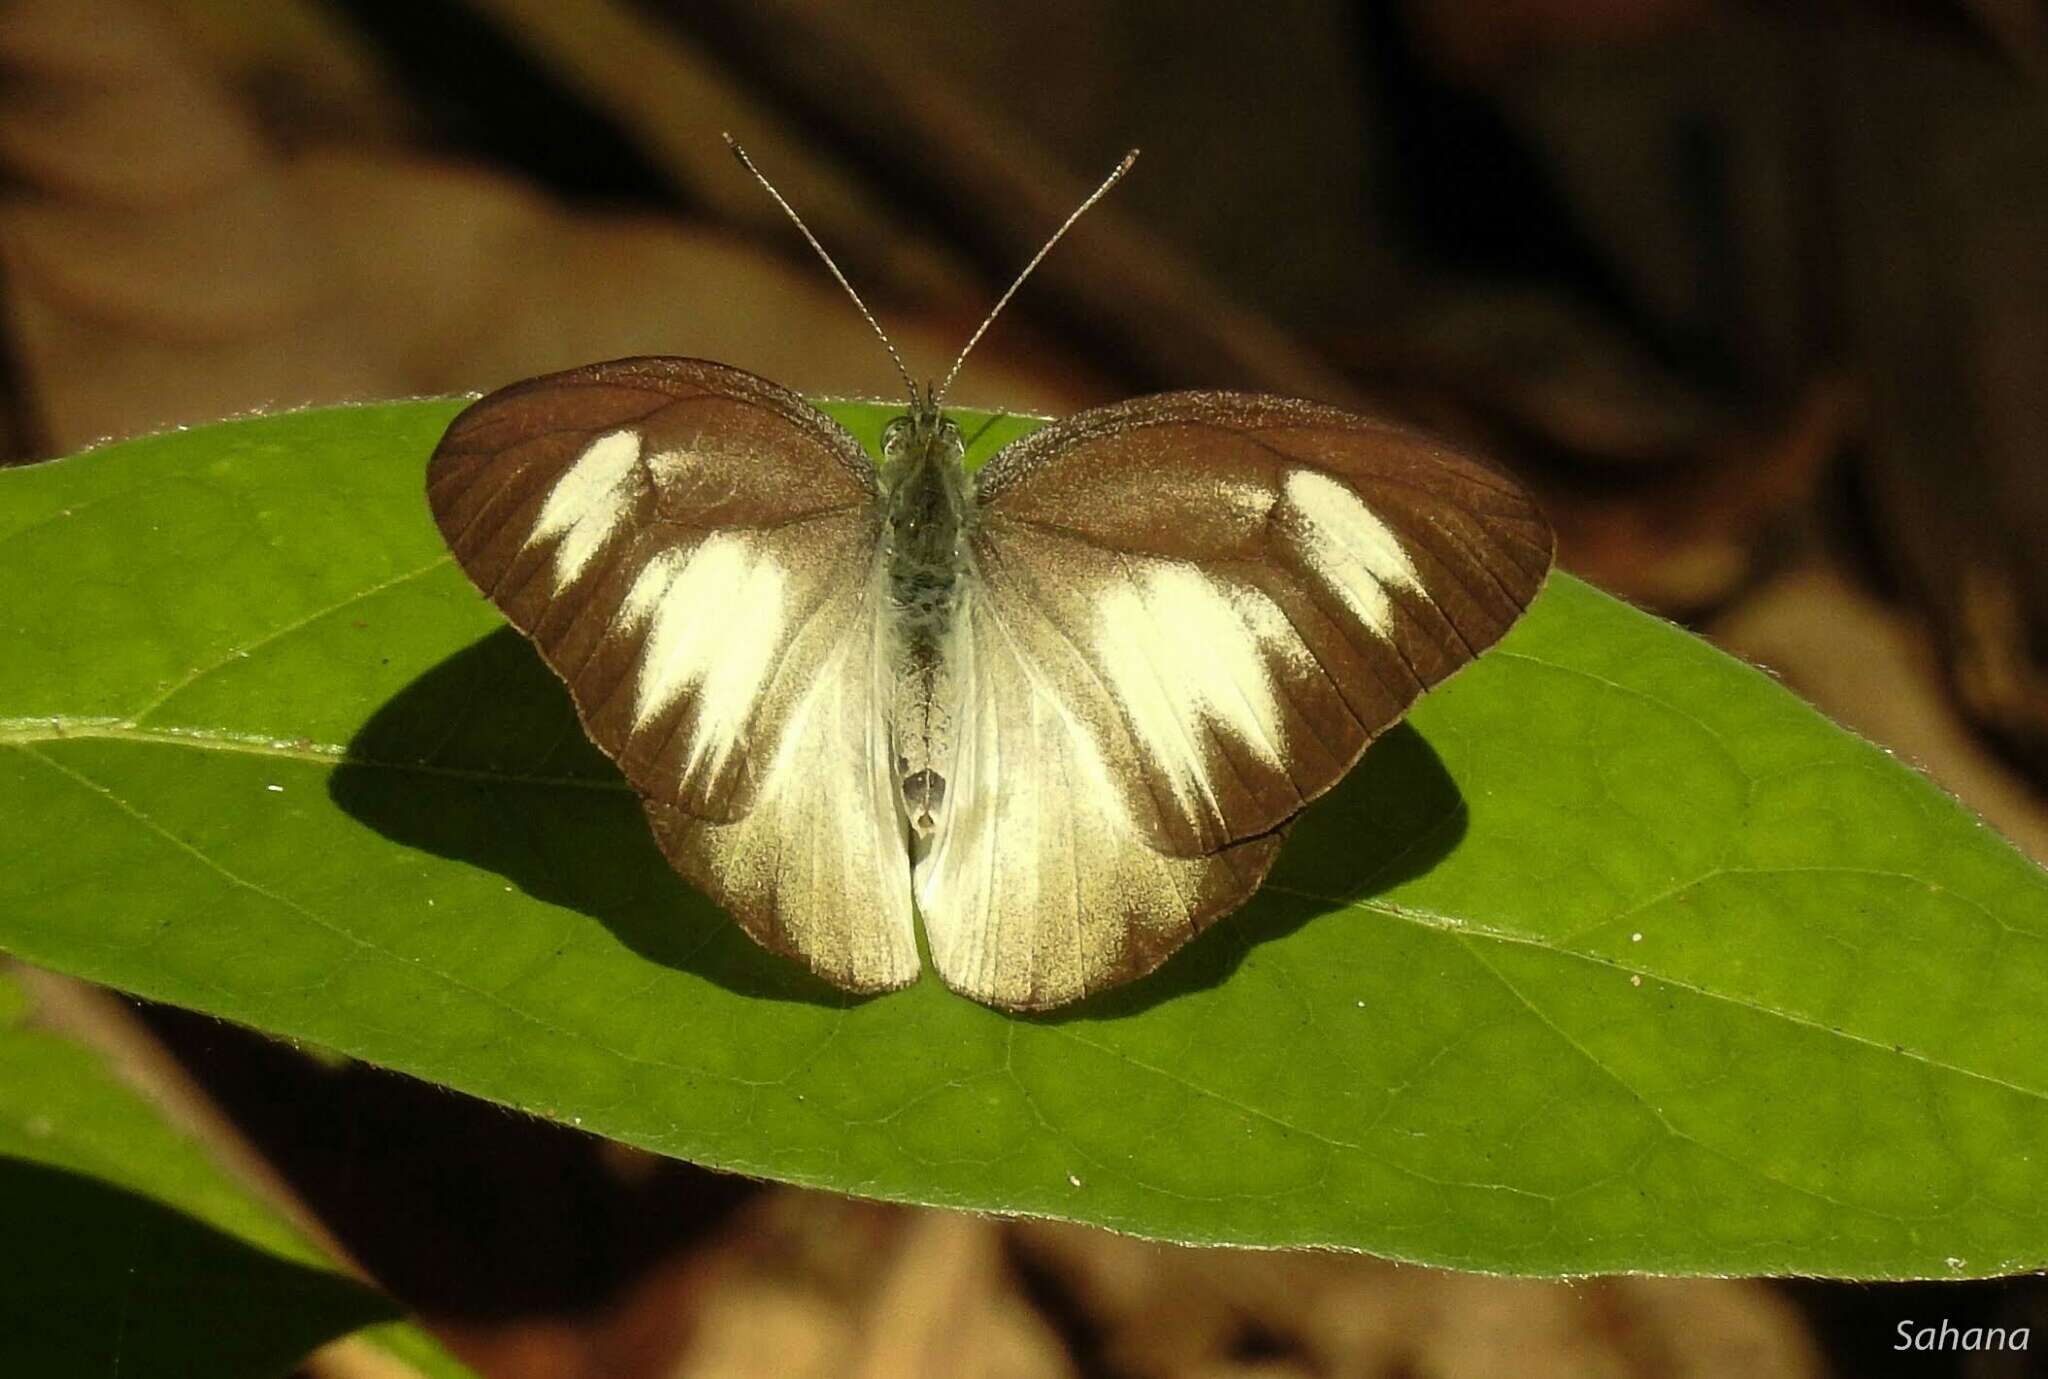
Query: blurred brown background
x,y
1755,295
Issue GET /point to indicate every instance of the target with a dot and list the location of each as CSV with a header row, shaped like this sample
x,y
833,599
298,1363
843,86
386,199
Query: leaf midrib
x,y
25,733
1464,934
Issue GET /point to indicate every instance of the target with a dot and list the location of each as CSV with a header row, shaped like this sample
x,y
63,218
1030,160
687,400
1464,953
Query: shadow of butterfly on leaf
x,y
481,760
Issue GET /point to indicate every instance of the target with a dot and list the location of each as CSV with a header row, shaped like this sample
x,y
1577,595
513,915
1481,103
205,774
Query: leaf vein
x,y
199,673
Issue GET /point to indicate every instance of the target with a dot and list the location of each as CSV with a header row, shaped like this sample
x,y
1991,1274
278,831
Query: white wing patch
x,y
675,466
694,598
1353,551
1182,650
587,503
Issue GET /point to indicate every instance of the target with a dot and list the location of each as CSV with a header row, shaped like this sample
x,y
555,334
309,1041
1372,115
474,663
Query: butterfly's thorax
x,y
927,507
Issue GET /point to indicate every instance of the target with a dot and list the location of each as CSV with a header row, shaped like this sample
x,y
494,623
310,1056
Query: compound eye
x,y
892,434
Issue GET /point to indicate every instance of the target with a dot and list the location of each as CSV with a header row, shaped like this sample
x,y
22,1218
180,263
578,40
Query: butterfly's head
x,y
923,430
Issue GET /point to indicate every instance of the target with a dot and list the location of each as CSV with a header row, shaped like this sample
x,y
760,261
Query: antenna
x,y
869,316
1115,176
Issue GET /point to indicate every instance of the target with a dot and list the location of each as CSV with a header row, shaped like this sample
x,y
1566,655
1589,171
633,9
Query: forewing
x,y
1237,593
693,550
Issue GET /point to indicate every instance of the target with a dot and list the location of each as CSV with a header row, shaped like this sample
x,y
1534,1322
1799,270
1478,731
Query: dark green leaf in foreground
x,y
128,1252
1619,957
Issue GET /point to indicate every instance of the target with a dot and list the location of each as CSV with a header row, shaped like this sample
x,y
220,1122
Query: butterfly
x,y
1062,711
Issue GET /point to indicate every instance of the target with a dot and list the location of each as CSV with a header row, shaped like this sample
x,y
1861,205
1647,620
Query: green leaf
x,y
1616,957
129,1252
